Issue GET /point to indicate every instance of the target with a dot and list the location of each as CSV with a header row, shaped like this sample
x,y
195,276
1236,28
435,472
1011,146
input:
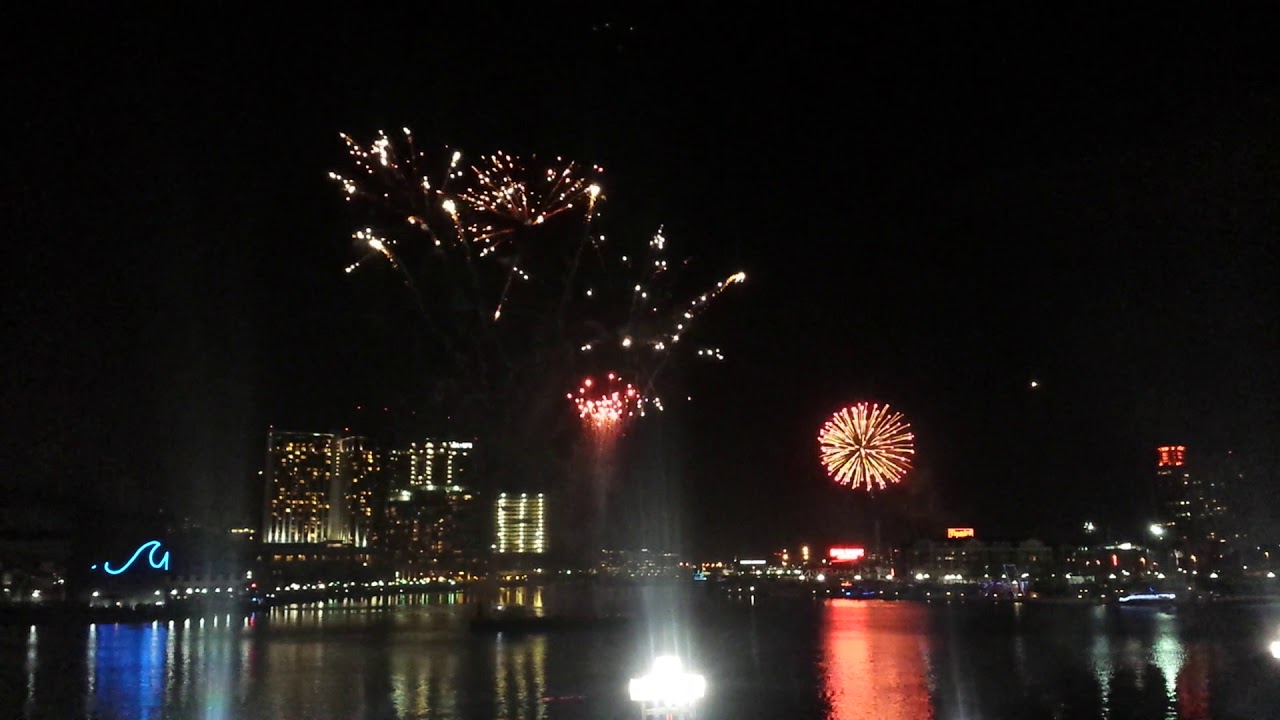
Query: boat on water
x,y
1165,601
521,620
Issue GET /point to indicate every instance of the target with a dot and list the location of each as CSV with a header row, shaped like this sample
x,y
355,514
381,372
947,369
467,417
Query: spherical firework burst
x,y
867,445
606,406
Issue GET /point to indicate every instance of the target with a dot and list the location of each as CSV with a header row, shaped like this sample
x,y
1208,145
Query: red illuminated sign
x,y
953,533
1172,455
846,554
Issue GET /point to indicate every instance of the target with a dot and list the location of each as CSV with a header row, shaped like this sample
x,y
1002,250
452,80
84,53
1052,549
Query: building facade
x,y
433,463
300,479
361,491
405,505
973,559
431,529
520,525
321,488
1193,513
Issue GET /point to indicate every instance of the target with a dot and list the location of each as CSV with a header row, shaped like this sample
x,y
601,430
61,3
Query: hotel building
x,y
520,524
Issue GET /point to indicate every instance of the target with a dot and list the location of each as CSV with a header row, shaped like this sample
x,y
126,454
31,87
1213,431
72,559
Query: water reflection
x,y
415,658
129,673
427,684
33,638
529,597
873,652
520,678
1192,686
1060,662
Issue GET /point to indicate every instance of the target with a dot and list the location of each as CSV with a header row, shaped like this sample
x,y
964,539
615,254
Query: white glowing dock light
x,y
667,688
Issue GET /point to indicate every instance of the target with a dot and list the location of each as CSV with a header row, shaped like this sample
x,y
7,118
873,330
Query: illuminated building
x,y
1191,503
320,487
433,528
431,520
433,463
360,486
520,522
300,476
971,558
406,505
639,563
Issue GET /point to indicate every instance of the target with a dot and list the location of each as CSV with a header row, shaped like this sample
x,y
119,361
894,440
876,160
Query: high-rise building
x,y
360,492
436,528
1172,479
1191,502
520,523
433,463
408,503
321,487
300,475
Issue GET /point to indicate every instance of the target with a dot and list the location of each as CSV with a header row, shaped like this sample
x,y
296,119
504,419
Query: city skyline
x,y
1185,501
1048,284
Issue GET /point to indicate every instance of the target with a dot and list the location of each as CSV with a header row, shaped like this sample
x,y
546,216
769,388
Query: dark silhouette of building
x,y
433,528
1193,513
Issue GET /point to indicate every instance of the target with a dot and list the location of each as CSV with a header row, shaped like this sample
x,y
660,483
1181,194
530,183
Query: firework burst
x,y
606,406
467,211
518,288
505,195
867,445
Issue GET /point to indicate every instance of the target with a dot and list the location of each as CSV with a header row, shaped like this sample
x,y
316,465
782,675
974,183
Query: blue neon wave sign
x,y
151,547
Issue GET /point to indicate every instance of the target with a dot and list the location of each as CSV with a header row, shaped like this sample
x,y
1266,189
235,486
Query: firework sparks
x,y
504,196
698,304
488,249
468,210
651,307
606,406
867,446
378,245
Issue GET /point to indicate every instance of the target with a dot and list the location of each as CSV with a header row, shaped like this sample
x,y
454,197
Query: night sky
x,y
932,211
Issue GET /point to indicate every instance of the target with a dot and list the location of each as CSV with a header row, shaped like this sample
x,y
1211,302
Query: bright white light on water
x,y
667,685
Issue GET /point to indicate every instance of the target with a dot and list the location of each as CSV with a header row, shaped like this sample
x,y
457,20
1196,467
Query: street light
x,y
1157,530
667,690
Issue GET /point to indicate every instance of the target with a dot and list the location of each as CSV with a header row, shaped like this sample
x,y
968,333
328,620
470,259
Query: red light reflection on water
x,y
875,661
1193,684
